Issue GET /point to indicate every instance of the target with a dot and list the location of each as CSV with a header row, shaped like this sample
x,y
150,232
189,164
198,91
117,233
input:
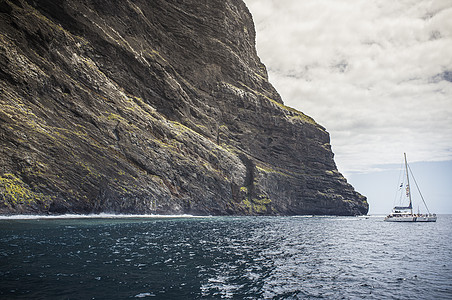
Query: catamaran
x,y
405,213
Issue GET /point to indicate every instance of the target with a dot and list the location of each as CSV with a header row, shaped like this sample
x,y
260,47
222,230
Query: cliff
x,y
152,107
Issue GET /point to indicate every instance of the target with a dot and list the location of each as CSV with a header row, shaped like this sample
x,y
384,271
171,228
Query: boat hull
x,y
411,219
426,219
400,219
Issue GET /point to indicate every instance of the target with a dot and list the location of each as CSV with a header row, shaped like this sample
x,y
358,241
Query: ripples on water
x,y
225,257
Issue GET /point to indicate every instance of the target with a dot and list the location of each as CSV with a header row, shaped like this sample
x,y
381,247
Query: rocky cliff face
x,y
152,107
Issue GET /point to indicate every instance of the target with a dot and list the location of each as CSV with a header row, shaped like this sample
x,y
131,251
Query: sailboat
x,y
405,213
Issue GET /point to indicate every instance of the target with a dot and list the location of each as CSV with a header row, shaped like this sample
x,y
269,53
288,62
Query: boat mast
x,y
408,184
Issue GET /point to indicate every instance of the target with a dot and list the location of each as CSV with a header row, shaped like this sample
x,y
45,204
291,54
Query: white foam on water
x,y
142,295
93,216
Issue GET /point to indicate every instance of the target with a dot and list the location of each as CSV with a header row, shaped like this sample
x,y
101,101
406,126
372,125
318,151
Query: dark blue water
x,y
225,257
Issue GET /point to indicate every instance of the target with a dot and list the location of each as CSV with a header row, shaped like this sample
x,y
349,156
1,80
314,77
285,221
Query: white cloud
x,y
377,74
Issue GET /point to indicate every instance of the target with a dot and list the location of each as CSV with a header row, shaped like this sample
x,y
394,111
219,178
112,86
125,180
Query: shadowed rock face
x,y
156,106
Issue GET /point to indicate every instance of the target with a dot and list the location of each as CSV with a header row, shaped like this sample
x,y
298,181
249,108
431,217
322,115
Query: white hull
x,y
426,219
400,219
411,219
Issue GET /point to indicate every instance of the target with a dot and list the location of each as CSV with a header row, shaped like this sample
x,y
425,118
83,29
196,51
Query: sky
x,y
378,76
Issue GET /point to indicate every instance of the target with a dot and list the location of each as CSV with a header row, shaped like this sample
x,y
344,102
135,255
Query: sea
x,y
188,257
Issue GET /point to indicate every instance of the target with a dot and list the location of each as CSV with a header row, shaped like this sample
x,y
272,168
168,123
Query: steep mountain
x,y
162,106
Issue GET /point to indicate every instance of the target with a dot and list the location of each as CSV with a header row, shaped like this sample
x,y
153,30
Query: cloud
x,y
376,74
